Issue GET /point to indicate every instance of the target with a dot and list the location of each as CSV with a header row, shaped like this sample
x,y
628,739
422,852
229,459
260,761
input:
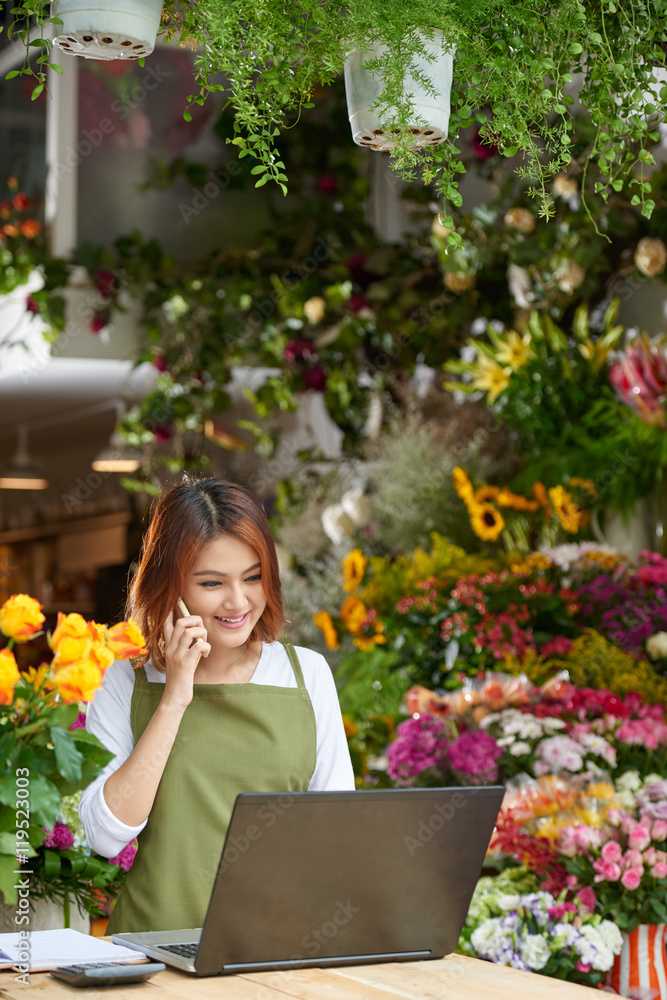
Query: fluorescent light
x,y
23,472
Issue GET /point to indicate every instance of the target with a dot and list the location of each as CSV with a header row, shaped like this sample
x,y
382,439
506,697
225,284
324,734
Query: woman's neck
x,y
229,666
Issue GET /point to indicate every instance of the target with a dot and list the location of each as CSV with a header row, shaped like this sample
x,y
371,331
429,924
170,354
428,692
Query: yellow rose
x,y
21,617
9,675
125,640
72,626
72,650
78,682
102,656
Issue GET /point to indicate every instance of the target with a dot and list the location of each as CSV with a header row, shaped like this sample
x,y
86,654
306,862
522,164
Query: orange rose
x,y
21,617
78,682
30,228
9,675
125,640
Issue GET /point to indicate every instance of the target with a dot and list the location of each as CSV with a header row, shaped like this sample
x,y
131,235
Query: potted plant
x,y
514,74
94,29
46,757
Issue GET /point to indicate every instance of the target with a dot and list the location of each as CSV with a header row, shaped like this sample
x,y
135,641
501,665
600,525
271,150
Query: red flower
x,y
328,185
21,201
159,362
483,148
300,350
163,433
30,228
315,379
358,302
97,323
105,283
31,304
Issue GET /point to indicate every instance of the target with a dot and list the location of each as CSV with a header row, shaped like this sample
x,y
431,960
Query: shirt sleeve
x,y
333,770
108,718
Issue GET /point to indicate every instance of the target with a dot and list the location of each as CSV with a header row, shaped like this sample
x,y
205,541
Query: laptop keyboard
x,y
185,950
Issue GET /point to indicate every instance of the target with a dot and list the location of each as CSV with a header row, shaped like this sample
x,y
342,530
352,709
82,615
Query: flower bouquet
x,y
43,758
533,931
431,751
625,861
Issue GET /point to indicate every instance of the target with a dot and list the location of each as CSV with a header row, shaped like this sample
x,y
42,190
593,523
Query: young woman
x,y
220,706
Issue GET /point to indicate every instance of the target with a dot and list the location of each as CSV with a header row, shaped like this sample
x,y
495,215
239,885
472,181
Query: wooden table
x,y
450,978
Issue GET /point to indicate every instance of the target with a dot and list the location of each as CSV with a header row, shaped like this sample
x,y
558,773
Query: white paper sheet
x,y
48,949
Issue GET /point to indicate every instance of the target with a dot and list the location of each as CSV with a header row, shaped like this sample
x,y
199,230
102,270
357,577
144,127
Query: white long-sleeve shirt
x,y
108,718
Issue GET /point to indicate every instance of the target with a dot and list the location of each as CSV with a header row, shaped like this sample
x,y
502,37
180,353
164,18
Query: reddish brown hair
x,y
185,518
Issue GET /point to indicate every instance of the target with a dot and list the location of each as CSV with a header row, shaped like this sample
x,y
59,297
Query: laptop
x,y
337,878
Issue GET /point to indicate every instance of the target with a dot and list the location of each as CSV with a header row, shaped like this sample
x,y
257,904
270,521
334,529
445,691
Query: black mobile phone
x,y
107,973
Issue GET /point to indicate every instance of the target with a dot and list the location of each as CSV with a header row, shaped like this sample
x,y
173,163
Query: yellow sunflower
x,y
515,351
584,484
354,566
353,614
324,621
486,522
368,640
485,493
540,494
490,377
462,485
567,511
515,501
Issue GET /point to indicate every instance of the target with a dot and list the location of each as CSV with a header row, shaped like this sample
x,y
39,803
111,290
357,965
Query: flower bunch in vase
x,y
45,756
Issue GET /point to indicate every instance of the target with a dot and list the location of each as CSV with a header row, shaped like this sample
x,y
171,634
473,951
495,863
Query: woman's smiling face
x,y
224,587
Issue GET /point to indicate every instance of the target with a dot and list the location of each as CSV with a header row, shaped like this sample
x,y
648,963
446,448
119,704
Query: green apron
x,y
232,738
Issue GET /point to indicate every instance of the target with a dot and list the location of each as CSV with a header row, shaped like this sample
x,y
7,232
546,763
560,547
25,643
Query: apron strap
x,y
291,652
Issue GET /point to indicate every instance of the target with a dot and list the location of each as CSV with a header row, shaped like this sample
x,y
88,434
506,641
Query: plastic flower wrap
x,y
46,753
639,375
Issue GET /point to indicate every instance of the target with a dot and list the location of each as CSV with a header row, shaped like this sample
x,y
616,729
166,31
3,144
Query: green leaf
x,y
262,181
510,150
37,91
7,878
12,73
68,758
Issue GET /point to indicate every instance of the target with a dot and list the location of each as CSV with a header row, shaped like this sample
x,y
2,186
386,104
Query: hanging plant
x,y
514,73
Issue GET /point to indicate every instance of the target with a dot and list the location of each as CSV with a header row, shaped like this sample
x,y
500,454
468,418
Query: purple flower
x,y
420,744
474,756
60,838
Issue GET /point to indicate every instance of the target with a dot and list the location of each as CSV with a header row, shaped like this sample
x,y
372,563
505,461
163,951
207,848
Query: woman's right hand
x,y
185,641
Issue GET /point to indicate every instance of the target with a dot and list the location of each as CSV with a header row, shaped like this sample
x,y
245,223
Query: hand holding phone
x,y
183,609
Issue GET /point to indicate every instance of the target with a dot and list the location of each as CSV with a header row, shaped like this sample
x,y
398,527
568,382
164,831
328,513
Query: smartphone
x,y
182,607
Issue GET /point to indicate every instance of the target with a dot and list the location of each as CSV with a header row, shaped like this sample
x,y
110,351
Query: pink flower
x,y
126,857
60,838
159,362
105,283
483,148
659,870
607,871
611,851
558,912
31,304
560,645
300,349
632,878
582,967
358,302
659,830
640,837
79,722
315,379
632,859
587,900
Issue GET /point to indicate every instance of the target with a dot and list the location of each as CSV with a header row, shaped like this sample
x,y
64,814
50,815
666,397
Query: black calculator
x,y
107,973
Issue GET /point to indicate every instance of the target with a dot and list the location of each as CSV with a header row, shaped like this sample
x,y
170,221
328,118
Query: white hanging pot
x,y
363,89
102,29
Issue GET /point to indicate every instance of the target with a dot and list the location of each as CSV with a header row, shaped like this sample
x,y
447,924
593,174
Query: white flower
x,y
357,506
560,751
336,523
520,286
629,782
175,307
551,724
611,936
534,951
604,957
508,901
505,741
519,748
488,938
566,931
656,645
598,746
